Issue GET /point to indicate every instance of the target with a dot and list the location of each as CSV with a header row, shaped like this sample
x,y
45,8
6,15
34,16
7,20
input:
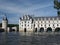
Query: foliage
x,y
57,6
10,25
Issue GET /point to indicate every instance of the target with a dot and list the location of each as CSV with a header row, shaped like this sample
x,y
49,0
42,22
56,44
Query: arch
x,y
57,29
41,29
49,29
2,30
25,30
35,30
13,29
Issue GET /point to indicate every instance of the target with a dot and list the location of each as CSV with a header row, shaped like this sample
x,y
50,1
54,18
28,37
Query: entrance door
x,y
35,29
24,29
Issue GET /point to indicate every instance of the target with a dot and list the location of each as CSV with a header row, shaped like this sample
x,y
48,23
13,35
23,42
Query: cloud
x,y
16,8
13,8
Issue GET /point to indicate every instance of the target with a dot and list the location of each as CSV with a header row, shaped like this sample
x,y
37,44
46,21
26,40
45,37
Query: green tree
x,y
57,6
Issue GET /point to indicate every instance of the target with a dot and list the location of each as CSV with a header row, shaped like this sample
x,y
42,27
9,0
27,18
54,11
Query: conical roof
x,y
5,17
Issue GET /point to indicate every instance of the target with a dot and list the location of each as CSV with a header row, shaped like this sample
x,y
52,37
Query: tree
x,y
57,6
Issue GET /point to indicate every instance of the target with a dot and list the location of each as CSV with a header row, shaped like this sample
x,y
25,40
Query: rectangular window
x,y
41,21
25,24
49,21
28,25
22,25
28,22
55,18
53,24
25,21
51,18
22,22
49,24
41,24
57,25
46,18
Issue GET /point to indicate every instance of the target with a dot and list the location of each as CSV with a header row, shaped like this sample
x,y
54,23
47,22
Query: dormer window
x,y
22,17
28,17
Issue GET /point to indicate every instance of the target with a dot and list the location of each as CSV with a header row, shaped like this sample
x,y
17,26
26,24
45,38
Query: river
x,y
21,38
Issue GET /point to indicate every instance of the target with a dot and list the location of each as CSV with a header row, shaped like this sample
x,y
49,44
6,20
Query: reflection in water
x,y
26,33
28,38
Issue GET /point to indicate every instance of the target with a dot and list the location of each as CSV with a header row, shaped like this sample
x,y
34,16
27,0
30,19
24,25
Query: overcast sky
x,y
17,8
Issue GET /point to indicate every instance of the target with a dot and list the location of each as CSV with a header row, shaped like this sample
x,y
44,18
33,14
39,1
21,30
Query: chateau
x,y
29,23
39,24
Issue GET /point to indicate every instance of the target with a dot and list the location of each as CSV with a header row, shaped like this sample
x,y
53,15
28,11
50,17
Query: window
x,y
25,24
41,24
34,25
55,18
45,25
57,25
53,24
22,25
49,21
38,25
45,21
51,18
22,22
28,25
41,21
46,18
38,21
25,21
49,24
39,18
42,18
28,22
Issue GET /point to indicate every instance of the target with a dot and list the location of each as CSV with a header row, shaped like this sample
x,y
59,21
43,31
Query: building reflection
x,y
26,33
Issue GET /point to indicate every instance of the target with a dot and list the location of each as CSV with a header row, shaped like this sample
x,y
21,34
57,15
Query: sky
x,y
14,9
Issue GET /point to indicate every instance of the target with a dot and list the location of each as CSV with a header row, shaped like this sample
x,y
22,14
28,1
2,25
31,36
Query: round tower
x,y
4,23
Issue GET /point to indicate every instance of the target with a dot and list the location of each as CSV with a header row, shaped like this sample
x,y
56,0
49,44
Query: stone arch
x,y
49,29
57,29
13,29
25,30
35,30
41,29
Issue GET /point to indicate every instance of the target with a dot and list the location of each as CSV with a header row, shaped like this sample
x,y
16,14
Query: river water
x,y
21,38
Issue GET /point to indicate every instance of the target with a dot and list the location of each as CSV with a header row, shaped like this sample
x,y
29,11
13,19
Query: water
x,y
21,38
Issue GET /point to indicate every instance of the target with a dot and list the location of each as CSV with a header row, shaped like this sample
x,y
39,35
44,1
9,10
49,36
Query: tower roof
x,y
5,17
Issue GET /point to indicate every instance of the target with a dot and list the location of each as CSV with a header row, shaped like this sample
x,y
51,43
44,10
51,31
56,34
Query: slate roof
x,y
45,17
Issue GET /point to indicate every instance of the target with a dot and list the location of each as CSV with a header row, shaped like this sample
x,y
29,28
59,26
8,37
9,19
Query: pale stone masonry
x,y
4,23
38,24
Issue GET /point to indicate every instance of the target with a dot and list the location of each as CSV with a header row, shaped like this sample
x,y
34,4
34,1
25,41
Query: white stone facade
x,y
29,23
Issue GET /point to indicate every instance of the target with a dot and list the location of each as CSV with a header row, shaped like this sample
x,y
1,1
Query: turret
x,y
4,23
